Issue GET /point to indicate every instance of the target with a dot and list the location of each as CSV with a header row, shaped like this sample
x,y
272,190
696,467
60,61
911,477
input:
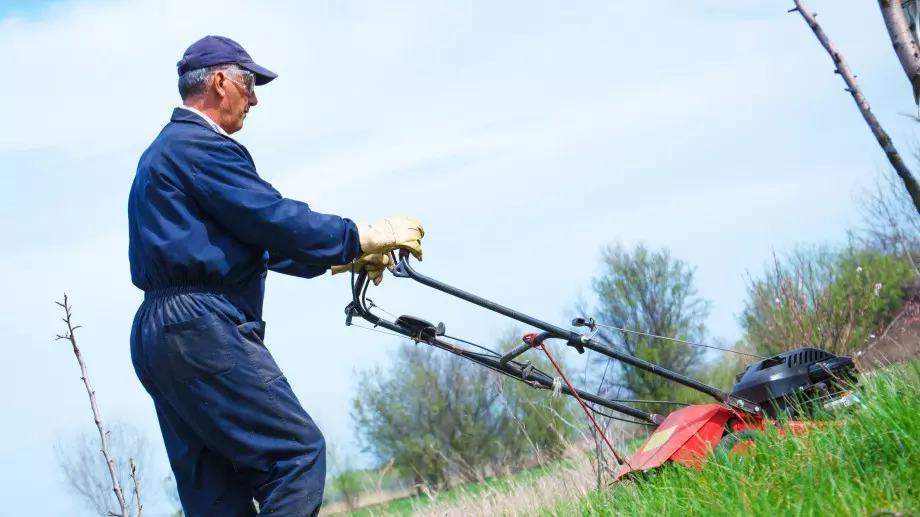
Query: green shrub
x,y
823,298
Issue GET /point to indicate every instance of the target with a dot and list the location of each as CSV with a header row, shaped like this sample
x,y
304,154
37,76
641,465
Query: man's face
x,y
238,88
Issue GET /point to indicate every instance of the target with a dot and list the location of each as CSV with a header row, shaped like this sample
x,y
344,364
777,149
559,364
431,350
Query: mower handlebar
x,y
404,270
530,341
518,350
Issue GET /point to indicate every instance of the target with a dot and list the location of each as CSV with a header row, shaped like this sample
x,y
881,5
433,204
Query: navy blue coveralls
x,y
204,231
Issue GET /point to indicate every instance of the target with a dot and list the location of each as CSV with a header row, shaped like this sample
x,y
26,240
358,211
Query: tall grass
x,y
521,493
868,462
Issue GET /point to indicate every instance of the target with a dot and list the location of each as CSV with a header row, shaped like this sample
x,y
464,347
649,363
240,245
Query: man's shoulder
x,y
190,140
184,148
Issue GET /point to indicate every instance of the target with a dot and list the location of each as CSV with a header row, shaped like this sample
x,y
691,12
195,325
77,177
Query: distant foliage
x,y
438,416
824,298
343,480
85,470
543,422
652,292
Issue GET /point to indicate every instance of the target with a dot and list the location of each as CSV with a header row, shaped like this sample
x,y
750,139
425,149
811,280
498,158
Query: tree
x,y
906,48
110,463
824,298
544,422
87,474
653,293
437,416
344,480
415,414
902,41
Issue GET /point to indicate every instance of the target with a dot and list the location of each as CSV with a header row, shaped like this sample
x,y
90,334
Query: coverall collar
x,y
184,113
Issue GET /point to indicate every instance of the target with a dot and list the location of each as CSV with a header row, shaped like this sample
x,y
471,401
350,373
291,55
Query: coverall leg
x,y
233,428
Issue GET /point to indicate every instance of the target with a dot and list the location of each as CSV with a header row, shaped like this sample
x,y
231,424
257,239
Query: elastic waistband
x,y
175,290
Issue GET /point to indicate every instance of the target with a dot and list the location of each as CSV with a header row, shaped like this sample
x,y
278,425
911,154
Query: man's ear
x,y
219,81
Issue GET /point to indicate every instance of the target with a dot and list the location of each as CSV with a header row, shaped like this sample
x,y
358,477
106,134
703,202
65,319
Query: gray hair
x,y
194,82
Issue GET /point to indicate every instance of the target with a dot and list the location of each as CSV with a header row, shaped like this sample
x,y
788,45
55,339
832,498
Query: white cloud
x,y
524,136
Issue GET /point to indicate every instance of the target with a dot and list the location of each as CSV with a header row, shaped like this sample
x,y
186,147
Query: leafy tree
x,y
345,481
545,423
651,292
383,416
428,413
437,415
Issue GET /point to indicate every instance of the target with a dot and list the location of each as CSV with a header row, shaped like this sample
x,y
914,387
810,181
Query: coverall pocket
x,y
253,333
198,349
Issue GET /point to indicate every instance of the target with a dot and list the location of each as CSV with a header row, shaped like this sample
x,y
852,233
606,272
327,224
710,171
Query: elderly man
x,y
204,230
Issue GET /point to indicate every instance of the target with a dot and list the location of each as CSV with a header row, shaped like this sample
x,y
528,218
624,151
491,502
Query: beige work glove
x,y
391,234
373,263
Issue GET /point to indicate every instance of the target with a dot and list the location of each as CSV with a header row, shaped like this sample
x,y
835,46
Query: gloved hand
x,y
373,263
390,234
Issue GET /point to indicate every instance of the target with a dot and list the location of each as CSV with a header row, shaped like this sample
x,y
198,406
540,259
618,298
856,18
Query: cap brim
x,y
263,75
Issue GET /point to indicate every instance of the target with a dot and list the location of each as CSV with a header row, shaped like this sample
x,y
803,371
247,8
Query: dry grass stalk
x,y
521,498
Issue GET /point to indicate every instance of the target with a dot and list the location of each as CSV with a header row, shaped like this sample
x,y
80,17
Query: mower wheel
x,y
738,442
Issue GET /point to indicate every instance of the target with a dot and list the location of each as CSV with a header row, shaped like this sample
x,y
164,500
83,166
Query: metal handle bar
x,y
521,372
404,270
530,341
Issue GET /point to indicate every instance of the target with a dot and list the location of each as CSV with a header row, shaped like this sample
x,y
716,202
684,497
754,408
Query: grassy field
x,y
474,491
869,463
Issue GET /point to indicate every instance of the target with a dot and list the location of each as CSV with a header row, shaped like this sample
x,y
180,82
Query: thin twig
x,y
69,336
910,183
137,489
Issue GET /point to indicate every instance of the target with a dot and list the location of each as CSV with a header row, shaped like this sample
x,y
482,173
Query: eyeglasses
x,y
248,79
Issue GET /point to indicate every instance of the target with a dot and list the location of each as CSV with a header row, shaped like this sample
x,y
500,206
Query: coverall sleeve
x,y
227,186
286,266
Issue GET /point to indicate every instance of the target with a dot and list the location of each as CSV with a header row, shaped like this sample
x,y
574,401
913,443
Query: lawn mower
x,y
774,391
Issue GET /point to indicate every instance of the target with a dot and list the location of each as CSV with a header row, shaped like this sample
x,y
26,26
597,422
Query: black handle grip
x,y
530,341
518,350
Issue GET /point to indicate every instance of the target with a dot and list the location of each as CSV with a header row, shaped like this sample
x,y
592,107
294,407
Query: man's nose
x,y
253,100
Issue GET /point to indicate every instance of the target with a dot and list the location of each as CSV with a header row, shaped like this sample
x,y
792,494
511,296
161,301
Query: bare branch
x,y
903,42
910,183
137,488
92,399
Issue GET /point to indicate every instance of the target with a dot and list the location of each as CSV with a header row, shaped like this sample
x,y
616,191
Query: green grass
x,y
868,463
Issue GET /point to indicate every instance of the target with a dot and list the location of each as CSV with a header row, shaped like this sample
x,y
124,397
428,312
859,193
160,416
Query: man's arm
x,y
226,185
286,266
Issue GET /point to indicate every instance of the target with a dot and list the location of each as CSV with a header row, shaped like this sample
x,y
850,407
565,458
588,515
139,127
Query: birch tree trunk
x,y
903,42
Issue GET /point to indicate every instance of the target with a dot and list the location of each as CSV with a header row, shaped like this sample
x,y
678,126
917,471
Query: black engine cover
x,y
793,377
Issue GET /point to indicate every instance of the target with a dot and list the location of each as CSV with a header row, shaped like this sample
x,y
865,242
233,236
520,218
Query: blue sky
x,y
523,135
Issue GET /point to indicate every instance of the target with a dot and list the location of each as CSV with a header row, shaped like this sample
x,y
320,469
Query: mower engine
x,y
794,381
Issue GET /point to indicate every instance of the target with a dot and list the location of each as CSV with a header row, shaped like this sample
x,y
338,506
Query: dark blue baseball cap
x,y
221,50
